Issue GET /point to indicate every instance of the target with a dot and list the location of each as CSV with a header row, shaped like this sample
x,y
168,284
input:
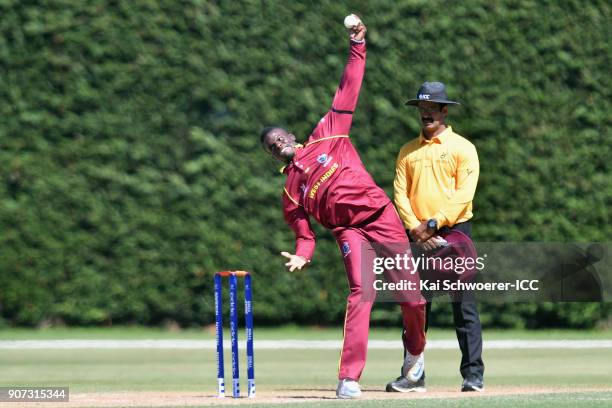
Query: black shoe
x,y
471,384
403,384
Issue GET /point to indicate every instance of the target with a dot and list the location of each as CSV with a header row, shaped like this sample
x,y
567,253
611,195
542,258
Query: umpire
x,y
435,181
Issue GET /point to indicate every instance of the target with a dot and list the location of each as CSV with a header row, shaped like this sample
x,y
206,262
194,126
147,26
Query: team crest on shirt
x,y
324,159
346,249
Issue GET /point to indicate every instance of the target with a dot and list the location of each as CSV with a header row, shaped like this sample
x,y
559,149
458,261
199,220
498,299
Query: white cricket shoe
x,y
413,367
347,389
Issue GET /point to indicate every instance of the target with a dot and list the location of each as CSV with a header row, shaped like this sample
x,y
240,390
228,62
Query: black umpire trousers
x,y
467,325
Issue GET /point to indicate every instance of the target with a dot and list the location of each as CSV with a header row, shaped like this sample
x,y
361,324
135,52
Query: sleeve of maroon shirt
x,y
338,120
298,220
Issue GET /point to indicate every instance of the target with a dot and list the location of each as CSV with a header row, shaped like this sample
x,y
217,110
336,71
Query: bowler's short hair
x,y
265,131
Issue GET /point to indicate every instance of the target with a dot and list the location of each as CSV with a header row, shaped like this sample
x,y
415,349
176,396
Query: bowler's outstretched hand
x,y
295,261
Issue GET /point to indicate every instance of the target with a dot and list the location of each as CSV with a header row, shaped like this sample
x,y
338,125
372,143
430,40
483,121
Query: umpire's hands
x,y
295,261
433,243
421,233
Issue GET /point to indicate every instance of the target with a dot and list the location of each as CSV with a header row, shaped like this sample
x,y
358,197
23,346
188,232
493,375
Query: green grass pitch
x,y
297,371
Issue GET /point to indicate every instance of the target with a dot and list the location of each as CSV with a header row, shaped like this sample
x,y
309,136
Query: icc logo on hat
x,y
432,92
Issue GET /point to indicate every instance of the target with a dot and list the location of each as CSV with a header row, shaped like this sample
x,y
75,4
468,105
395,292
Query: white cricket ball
x,y
351,21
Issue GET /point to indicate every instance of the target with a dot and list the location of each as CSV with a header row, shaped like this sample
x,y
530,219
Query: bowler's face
x,y
280,144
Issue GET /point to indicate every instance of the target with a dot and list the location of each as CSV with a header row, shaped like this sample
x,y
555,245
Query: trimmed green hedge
x,y
131,167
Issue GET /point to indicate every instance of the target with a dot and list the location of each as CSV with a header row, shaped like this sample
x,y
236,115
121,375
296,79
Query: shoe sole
x,y
348,396
472,389
406,390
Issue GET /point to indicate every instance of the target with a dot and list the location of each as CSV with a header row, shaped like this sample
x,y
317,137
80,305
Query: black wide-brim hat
x,y
432,92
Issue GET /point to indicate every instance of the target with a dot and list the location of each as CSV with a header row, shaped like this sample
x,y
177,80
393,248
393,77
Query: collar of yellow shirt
x,y
441,138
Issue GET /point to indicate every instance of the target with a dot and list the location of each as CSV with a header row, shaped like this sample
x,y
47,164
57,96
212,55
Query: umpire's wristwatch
x,y
432,224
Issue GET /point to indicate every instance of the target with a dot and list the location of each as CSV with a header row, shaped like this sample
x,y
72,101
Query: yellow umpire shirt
x,y
436,179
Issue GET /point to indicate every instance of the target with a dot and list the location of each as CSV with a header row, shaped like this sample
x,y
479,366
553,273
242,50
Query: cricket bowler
x,y
326,180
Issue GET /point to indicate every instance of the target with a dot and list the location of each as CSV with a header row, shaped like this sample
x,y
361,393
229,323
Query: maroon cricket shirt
x,y
326,178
